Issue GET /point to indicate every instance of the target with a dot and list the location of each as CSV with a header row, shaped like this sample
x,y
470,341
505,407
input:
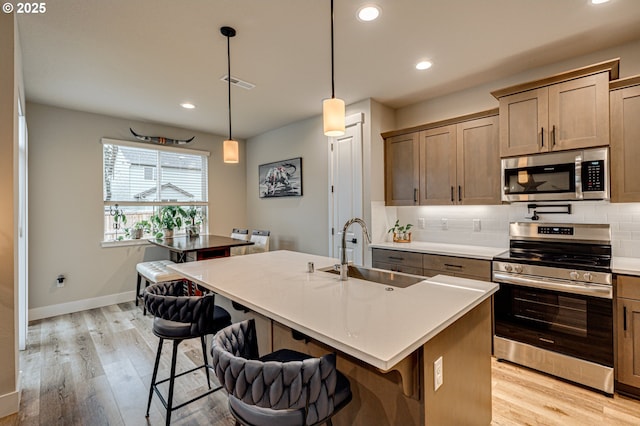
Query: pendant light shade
x,y
333,110
230,152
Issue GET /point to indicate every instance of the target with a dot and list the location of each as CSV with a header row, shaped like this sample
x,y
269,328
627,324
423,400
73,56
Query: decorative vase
x,y
168,233
136,234
193,230
402,237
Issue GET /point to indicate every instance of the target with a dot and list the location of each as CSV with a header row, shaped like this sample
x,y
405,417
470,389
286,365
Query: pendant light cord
x,y
333,89
229,80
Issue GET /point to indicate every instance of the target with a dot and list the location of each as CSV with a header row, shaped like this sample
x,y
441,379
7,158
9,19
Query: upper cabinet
x,y
625,140
449,162
565,111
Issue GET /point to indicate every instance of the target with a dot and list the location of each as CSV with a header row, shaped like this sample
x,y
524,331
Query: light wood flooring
x,y
94,368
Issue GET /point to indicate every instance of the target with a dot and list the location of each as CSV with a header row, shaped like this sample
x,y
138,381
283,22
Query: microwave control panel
x,y
593,176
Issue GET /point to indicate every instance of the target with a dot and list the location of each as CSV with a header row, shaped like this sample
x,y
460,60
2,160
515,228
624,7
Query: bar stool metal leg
x,y
206,361
155,374
172,380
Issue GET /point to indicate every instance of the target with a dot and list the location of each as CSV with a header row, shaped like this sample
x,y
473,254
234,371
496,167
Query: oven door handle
x,y
566,286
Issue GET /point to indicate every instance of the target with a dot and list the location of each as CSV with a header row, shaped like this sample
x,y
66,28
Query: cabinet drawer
x,y
628,287
397,257
398,268
458,266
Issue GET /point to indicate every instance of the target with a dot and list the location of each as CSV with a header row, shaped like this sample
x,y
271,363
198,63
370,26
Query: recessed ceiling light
x,y
423,65
187,105
599,1
368,13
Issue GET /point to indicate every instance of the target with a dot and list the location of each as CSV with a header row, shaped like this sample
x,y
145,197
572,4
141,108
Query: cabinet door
x,y
524,123
579,112
478,163
625,144
438,166
402,170
629,342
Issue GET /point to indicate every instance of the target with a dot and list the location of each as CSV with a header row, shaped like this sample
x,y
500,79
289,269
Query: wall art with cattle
x,y
281,178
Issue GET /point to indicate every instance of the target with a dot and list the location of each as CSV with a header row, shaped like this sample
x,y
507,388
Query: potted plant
x,y
119,220
193,220
167,219
139,228
401,234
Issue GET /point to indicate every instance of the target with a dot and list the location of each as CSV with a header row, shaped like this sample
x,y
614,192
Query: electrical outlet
x,y
421,222
444,224
437,374
476,225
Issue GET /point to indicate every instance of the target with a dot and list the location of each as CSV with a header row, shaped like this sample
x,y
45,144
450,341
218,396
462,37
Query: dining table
x,y
183,248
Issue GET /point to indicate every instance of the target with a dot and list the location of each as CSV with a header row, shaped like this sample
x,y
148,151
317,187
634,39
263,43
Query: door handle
x,y
624,316
542,136
553,133
452,194
459,193
354,241
415,195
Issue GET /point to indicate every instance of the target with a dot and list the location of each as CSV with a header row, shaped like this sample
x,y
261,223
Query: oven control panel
x,y
555,230
548,273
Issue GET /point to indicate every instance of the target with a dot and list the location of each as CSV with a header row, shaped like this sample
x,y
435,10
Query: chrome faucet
x,y
344,267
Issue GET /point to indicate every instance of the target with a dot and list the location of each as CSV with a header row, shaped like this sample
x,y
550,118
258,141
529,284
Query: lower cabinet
x,y
628,335
429,265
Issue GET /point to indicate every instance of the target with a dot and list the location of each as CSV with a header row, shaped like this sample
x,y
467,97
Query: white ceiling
x,y
140,59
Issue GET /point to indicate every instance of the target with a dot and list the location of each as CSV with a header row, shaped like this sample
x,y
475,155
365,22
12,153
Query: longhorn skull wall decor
x,y
160,140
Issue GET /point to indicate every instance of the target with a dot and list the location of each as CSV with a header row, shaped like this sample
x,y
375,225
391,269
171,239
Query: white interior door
x,y
23,251
346,190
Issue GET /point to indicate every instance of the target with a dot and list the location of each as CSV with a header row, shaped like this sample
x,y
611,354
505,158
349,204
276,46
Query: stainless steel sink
x,y
394,279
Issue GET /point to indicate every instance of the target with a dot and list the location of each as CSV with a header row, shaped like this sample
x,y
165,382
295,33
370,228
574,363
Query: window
x,y
138,179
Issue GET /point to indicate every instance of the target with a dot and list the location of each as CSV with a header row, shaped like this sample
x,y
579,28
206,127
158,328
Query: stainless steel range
x,y
554,309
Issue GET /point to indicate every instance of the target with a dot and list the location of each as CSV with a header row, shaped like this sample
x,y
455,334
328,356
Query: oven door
x,y
572,324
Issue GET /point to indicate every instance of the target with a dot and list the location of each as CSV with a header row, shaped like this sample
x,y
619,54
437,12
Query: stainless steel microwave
x,y
566,175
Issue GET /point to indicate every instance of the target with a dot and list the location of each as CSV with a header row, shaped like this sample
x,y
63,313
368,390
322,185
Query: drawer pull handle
x,y
396,258
448,265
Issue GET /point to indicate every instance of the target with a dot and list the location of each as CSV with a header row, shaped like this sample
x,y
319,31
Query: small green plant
x,y
119,219
167,219
193,215
138,229
397,229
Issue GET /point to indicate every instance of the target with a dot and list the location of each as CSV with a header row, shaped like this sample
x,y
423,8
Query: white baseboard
x,y
80,305
9,403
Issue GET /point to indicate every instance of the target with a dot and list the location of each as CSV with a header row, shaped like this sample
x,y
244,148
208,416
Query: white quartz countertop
x,y
459,250
360,318
626,265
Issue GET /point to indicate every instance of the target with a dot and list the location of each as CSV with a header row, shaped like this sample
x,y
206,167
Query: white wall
x,y
66,208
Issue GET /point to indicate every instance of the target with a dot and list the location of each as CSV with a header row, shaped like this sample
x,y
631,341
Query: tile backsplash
x,y
455,224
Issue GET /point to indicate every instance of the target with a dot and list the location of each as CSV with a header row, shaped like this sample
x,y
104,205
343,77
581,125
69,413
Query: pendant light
x,y
333,108
230,146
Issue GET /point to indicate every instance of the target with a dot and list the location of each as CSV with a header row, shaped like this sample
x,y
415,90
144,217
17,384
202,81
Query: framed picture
x,y
280,179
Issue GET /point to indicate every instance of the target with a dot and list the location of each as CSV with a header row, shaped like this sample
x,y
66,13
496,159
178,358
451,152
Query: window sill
x,y
124,243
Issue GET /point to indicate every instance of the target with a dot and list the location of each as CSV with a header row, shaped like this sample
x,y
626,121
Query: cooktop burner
x,y
571,246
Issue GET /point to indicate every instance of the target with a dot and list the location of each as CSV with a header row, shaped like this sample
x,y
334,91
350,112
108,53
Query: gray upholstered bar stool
x,y
178,318
154,272
284,388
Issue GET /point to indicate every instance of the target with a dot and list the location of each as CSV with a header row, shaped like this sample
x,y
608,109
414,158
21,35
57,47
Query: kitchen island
x,y
387,338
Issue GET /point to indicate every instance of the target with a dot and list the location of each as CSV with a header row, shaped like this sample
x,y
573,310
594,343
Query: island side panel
x,y
464,398
378,398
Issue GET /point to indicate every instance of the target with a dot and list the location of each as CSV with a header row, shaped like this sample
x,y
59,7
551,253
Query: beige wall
x,y
302,223
479,98
10,70
65,204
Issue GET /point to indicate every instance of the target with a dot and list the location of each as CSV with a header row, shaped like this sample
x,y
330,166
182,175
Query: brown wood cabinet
x,y
402,170
625,140
458,162
628,334
429,265
565,111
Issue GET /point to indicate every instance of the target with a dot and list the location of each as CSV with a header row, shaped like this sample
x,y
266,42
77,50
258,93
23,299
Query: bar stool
x,y
154,272
178,317
284,387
